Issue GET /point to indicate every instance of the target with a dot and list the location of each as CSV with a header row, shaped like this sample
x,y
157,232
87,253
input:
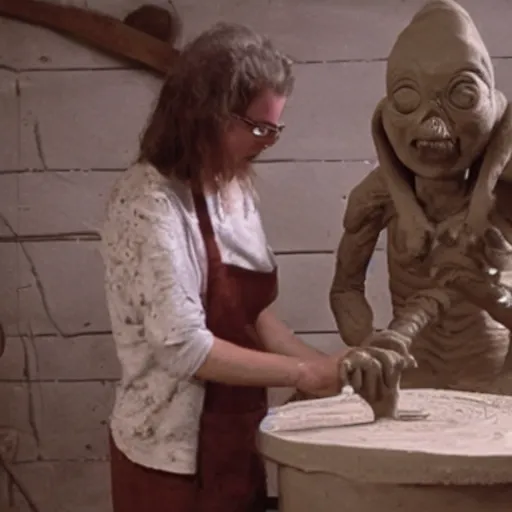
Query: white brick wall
x,y
70,118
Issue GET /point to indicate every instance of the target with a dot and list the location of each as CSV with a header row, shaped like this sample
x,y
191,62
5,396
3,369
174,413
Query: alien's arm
x,y
489,291
364,219
352,312
457,273
459,270
368,211
496,165
422,309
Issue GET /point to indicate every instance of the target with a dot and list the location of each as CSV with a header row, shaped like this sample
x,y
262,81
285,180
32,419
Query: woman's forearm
x,y
278,338
228,363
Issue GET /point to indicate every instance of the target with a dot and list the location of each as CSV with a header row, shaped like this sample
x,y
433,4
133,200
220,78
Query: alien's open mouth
x,y
435,150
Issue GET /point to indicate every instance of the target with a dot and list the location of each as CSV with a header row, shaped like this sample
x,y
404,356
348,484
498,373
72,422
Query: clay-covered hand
x,y
479,289
491,252
390,339
475,268
374,374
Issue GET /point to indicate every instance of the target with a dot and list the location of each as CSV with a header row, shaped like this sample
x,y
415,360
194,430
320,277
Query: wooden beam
x,y
101,31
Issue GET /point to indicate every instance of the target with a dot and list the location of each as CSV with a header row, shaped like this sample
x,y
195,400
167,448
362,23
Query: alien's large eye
x,y
464,94
406,99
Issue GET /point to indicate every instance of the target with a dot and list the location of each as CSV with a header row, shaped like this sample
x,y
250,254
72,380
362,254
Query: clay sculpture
x,y
442,189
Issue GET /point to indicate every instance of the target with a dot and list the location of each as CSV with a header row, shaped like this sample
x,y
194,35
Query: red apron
x,y
231,474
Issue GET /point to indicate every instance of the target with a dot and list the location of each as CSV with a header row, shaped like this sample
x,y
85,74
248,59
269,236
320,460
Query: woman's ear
x,y
496,164
412,220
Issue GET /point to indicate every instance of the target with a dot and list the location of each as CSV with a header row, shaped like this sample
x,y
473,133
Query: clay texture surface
x,y
466,438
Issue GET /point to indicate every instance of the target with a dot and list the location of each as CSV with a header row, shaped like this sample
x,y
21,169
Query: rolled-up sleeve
x,y
167,287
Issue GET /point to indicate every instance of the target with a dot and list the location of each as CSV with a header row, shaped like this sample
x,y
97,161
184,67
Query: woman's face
x,y
247,136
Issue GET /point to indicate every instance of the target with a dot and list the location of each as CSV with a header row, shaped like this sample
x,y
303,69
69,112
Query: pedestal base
x,y
320,492
333,457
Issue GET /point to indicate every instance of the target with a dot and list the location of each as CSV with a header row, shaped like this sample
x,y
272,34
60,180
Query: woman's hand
x,y
320,377
372,372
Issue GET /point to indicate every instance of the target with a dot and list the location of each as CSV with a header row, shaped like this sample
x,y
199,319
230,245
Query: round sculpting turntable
x,y
455,455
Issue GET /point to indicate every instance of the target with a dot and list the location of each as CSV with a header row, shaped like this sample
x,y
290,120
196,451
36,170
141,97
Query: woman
x,y
189,282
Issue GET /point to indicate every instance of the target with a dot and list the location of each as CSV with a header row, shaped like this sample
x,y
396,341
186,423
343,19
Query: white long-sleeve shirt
x,y
155,282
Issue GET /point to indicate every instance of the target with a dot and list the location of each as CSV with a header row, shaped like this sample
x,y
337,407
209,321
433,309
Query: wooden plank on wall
x,y
93,119
328,116
302,203
9,120
305,281
15,400
8,204
53,424
9,281
308,31
343,30
50,203
77,486
83,119
70,274
86,358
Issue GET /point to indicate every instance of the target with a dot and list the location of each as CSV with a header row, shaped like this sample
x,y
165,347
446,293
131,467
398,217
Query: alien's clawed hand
x,y
473,264
458,246
374,370
374,374
390,339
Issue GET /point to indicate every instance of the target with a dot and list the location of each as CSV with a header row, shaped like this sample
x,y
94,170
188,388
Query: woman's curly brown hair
x,y
217,75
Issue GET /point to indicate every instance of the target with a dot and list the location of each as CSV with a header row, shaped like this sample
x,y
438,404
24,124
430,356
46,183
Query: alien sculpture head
x,y
442,117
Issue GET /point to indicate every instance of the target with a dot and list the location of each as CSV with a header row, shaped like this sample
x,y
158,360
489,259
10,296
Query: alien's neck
x,y
441,199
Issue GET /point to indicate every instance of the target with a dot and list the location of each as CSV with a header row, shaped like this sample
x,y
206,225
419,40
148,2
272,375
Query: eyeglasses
x,y
260,129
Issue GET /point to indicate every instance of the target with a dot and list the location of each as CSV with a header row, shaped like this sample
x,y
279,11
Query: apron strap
x,y
206,227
